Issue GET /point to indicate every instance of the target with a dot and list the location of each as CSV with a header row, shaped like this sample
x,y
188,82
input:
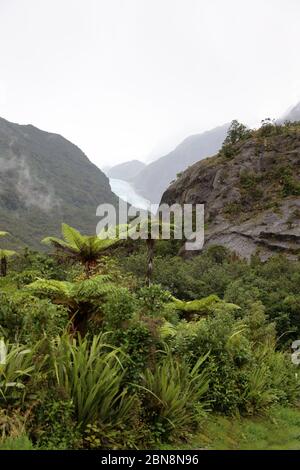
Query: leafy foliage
x,y
4,256
77,247
16,372
104,362
173,394
91,376
237,132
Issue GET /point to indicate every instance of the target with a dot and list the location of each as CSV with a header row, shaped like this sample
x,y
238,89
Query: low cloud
x,y
33,191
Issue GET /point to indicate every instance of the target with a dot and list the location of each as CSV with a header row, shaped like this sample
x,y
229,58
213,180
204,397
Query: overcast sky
x,y
128,79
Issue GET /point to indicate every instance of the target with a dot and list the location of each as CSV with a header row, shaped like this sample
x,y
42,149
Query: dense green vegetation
x,y
4,255
96,359
264,186
239,133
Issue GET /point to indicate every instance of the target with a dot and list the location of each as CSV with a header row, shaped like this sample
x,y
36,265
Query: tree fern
x,y
82,298
86,249
4,256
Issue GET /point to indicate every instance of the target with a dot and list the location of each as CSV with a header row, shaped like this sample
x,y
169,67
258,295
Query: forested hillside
x,y
45,180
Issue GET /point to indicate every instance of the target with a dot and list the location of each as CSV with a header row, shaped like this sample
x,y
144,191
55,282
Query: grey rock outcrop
x,y
252,200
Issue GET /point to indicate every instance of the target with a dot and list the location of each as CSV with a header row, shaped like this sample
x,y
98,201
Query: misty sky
x,y
128,79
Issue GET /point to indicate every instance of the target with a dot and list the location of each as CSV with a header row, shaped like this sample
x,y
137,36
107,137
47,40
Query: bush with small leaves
x,y
118,308
54,426
26,318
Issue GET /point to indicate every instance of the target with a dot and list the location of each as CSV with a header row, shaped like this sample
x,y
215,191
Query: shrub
x,y
12,426
272,380
233,208
243,376
237,132
152,299
269,128
16,443
54,425
26,318
118,308
26,277
91,375
291,187
30,262
16,373
140,342
173,396
134,435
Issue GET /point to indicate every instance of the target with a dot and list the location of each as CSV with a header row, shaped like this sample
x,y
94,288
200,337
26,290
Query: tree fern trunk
x,y
87,269
150,258
3,266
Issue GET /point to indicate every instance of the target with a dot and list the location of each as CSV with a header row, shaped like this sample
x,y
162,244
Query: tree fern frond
x,y
7,253
83,248
57,243
103,244
72,236
50,287
92,288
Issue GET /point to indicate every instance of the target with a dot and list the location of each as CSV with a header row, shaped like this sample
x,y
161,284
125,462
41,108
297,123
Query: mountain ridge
x,y
292,115
126,171
153,180
252,196
44,180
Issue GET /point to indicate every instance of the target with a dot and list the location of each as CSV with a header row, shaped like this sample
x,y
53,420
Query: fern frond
x,y
7,253
51,287
73,238
56,242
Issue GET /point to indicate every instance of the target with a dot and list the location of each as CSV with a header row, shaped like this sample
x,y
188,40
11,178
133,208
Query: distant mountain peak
x,y
126,171
154,179
293,114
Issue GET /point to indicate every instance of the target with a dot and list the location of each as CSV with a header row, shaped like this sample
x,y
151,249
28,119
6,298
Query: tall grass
x,y
16,370
175,393
273,380
91,374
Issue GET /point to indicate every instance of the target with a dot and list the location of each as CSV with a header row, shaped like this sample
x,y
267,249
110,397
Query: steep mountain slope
x,y
126,171
252,197
153,180
44,180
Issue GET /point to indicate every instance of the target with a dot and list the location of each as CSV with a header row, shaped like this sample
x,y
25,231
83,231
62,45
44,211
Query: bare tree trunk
x,y
150,259
3,266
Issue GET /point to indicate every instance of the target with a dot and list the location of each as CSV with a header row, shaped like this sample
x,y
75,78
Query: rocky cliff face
x,y
252,197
